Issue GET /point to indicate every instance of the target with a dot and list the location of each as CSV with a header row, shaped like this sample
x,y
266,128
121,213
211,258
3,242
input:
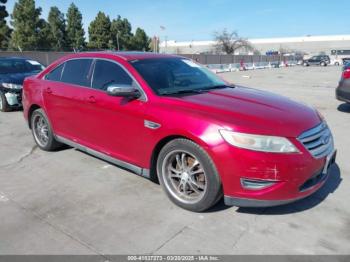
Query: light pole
x,y
162,28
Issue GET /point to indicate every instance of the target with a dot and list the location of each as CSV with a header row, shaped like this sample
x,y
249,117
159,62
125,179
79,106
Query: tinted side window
x,y
107,73
55,75
77,72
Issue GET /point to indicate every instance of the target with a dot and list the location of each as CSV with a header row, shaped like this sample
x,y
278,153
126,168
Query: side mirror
x,y
123,91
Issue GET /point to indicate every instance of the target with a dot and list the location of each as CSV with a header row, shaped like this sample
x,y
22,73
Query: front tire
x,y
42,131
188,175
4,106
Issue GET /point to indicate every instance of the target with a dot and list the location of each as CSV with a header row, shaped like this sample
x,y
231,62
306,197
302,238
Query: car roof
x,y
125,55
141,55
13,58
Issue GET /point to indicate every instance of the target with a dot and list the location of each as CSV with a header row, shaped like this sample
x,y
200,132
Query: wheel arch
x,y
161,143
32,108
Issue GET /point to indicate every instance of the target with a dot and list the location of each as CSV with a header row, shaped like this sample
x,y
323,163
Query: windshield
x,y
14,66
175,75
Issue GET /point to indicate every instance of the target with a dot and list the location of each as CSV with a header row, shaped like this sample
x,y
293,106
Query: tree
x,y
121,33
28,27
75,32
100,32
57,26
44,36
229,42
5,31
140,41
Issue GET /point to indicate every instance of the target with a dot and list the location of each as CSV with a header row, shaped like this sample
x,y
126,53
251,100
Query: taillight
x,y
346,73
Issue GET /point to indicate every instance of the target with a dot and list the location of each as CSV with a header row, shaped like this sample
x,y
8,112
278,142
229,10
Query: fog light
x,y
254,184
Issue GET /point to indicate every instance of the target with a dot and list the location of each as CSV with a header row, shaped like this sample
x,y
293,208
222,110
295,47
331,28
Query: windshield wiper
x,y
217,87
195,91
184,91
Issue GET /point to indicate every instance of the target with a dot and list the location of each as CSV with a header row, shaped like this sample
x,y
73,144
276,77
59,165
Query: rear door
x,y
64,96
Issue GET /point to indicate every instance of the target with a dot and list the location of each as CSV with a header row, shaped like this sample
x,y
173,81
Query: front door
x,y
115,124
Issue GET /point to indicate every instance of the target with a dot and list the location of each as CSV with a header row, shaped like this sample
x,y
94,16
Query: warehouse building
x,y
306,44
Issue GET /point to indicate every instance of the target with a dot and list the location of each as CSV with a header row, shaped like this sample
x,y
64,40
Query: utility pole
x,y
166,44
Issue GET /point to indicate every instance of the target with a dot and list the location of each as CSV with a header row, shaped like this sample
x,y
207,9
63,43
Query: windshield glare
x,y
171,75
14,66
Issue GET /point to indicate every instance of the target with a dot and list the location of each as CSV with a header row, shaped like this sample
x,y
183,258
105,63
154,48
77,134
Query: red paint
x,y
115,126
346,73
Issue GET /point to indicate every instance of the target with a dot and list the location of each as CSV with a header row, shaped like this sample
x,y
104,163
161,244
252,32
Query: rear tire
x,y
323,64
42,131
188,175
4,106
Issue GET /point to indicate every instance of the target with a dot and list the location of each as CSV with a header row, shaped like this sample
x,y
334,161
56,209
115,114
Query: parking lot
x,y
68,202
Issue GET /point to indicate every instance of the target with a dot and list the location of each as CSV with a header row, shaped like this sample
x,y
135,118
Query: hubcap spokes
x,y
41,130
185,177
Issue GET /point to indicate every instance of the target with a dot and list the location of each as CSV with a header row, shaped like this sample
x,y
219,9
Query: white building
x,y
307,44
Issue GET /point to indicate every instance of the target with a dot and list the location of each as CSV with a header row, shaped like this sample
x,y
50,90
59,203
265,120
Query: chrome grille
x,y
318,140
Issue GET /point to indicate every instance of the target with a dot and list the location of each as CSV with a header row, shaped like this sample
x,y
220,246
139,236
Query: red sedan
x,y
165,117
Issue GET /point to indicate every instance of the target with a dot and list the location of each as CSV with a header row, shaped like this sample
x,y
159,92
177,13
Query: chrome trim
x,y
318,140
313,130
151,125
256,184
135,169
143,97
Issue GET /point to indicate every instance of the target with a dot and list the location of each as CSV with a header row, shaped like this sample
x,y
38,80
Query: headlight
x,y
274,144
12,86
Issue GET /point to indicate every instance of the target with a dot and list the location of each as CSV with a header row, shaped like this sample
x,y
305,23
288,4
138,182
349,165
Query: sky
x,y
191,20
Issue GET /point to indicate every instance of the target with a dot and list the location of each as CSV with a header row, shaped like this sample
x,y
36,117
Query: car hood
x,y
17,78
249,110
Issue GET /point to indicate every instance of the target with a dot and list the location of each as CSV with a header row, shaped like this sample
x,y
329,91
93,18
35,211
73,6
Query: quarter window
x,y
77,72
108,73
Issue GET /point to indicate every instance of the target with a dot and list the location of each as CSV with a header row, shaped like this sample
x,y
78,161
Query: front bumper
x,y
310,186
13,96
252,178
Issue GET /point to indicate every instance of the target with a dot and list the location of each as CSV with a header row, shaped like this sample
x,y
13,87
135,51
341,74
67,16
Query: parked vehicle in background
x,y
346,61
341,54
343,90
336,61
13,70
166,116
322,60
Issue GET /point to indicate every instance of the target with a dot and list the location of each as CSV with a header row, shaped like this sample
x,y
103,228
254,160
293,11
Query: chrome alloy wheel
x,y
184,176
41,130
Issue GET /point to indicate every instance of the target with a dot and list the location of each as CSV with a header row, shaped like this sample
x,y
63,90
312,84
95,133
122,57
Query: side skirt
x,y
135,169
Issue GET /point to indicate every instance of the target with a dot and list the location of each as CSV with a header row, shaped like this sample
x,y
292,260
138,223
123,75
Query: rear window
x,y
77,72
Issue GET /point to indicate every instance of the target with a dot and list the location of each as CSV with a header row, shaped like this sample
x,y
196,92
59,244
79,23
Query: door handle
x,y
49,90
92,99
